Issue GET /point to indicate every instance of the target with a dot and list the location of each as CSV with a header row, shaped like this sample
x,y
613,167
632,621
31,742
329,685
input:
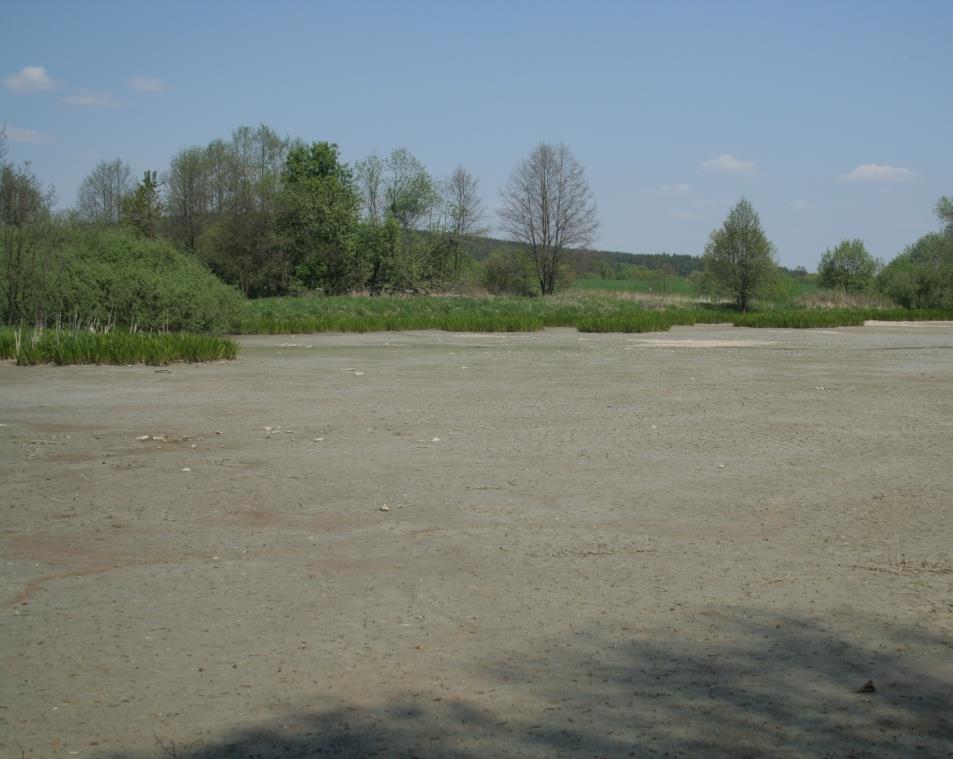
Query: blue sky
x,y
833,118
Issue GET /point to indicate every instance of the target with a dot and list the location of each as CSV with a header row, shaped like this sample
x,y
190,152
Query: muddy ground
x,y
702,542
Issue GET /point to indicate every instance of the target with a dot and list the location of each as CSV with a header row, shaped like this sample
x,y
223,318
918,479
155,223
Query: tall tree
x,y
409,191
103,190
318,217
187,197
848,267
548,205
463,215
221,171
399,193
739,256
465,209
142,208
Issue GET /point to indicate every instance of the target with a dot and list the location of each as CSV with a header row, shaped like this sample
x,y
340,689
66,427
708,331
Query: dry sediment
x,y
705,541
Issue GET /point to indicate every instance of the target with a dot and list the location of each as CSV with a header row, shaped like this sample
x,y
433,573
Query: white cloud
x,y
147,84
679,188
728,164
872,172
87,99
29,79
15,134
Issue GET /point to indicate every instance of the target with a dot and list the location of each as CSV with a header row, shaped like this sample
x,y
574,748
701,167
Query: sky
x,y
833,118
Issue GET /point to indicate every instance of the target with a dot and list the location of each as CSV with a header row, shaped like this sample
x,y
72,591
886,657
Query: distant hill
x,y
591,261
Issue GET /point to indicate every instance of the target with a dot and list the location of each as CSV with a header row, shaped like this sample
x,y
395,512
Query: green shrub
x,y
510,271
921,276
113,276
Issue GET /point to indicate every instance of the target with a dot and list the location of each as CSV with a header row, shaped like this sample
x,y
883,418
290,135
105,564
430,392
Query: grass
x,y
585,312
118,347
795,289
366,314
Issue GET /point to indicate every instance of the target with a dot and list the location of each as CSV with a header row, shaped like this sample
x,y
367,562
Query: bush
x,y
848,267
921,276
510,272
113,276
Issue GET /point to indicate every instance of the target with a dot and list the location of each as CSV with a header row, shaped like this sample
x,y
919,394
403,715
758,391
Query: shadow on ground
x,y
752,684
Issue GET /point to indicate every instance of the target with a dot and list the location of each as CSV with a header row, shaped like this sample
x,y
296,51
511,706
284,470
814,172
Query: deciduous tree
x,y
420,254
103,190
848,267
318,219
739,256
187,197
547,204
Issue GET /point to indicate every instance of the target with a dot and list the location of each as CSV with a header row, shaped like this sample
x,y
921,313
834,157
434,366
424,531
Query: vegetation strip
x,y
61,347
587,314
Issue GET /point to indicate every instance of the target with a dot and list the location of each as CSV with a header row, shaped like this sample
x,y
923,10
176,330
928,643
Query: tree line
x,y
273,215
739,262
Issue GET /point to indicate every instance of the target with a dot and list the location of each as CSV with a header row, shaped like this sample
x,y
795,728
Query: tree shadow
x,y
756,684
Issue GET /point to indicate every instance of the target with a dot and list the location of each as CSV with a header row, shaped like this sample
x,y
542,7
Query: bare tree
x,y
464,207
548,205
103,190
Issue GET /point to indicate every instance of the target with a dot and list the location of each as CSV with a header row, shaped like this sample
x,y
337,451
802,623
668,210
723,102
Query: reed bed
x,y
368,314
585,313
116,347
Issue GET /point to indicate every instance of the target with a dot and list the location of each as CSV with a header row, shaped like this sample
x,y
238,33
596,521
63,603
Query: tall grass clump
x,y
799,319
117,347
488,314
829,318
908,314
